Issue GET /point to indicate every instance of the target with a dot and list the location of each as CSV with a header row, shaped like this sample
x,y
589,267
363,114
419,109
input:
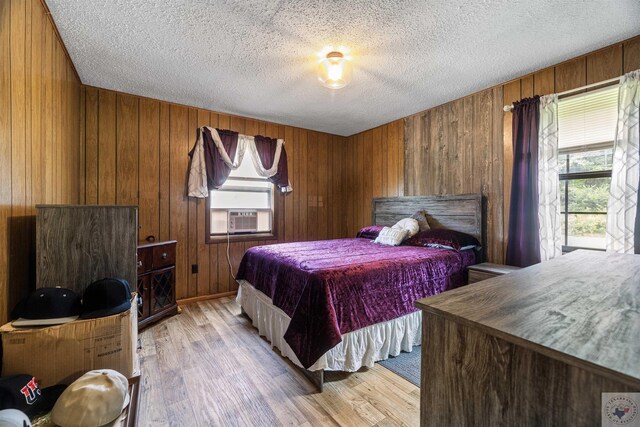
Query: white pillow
x,y
391,236
409,224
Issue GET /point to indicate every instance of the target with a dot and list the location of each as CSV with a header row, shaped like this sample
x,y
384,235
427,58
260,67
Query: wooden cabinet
x,y
156,284
487,270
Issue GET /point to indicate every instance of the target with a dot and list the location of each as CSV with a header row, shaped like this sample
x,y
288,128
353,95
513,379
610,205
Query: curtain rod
x,y
508,108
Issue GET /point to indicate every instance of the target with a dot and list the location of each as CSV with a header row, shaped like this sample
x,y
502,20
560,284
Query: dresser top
x,y
582,308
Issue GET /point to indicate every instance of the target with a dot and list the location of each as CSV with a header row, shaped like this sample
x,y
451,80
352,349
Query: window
x,y
243,206
586,125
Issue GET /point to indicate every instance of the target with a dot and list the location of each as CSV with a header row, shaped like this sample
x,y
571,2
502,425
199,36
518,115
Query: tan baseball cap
x,y
95,399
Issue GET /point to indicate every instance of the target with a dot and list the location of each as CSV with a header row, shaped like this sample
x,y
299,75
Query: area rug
x,y
407,365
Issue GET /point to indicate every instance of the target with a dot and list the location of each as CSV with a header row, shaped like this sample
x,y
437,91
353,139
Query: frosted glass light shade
x,y
334,71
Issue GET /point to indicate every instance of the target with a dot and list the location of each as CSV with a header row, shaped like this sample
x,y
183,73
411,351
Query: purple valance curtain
x,y
214,155
217,170
266,149
523,243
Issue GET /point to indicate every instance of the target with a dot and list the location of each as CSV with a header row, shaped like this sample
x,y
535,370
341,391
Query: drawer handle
x,y
139,263
164,255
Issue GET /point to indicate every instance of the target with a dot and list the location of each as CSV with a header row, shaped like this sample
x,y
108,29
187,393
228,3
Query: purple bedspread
x,y
331,287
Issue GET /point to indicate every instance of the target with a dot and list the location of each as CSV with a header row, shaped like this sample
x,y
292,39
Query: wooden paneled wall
x,y
603,64
464,146
39,136
456,148
61,142
375,168
136,152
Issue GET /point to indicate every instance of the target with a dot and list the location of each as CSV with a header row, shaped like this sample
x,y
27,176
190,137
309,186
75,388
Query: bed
x,y
346,303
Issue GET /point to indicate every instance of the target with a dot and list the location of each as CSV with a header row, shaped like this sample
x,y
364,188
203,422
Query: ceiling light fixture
x,y
334,70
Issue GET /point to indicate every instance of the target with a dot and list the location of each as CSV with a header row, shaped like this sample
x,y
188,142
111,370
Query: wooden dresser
x,y
535,347
156,281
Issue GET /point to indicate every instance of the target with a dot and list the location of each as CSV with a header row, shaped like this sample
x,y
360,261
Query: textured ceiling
x,y
258,58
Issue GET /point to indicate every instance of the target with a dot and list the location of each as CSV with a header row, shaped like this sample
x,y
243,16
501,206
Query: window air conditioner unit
x,y
244,221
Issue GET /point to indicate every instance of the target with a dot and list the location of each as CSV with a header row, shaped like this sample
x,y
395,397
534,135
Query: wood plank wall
x,y
603,64
464,146
375,168
61,142
136,153
456,148
39,136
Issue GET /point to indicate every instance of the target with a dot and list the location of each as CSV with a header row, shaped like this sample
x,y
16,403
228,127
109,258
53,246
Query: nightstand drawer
x,y
164,255
487,270
477,276
144,260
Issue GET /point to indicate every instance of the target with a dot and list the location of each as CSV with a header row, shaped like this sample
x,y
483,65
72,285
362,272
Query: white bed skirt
x,y
359,348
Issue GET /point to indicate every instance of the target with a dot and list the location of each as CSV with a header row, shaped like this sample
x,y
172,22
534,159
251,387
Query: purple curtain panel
x,y
523,243
217,169
636,229
266,148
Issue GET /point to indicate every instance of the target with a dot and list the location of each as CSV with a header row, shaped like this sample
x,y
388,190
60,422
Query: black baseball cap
x,y
23,393
46,307
106,297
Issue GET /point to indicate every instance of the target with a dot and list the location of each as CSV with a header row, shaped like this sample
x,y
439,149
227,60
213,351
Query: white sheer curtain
x,y
621,212
548,179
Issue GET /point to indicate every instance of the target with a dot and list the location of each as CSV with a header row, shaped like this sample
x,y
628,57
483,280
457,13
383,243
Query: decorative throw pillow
x,y
421,217
370,232
443,238
391,236
409,224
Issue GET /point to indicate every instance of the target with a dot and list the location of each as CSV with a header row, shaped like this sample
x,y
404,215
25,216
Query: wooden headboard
x,y
460,212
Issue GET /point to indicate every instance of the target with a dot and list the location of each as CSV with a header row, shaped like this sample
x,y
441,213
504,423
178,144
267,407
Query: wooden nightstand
x,y
156,281
487,270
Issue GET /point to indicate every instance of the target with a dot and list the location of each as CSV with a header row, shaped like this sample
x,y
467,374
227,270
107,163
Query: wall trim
x,y
192,300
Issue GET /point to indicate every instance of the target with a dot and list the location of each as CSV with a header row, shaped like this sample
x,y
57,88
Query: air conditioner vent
x,y
245,221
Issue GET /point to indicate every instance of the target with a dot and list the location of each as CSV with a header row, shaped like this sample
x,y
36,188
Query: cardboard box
x,y
61,354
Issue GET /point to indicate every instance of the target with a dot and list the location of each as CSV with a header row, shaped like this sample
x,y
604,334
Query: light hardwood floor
x,y
208,366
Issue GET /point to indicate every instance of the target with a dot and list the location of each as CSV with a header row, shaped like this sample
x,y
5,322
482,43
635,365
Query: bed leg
x,y
316,377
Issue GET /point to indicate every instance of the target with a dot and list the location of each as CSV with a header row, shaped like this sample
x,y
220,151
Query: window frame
x,y
244,237
582,175
570,176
